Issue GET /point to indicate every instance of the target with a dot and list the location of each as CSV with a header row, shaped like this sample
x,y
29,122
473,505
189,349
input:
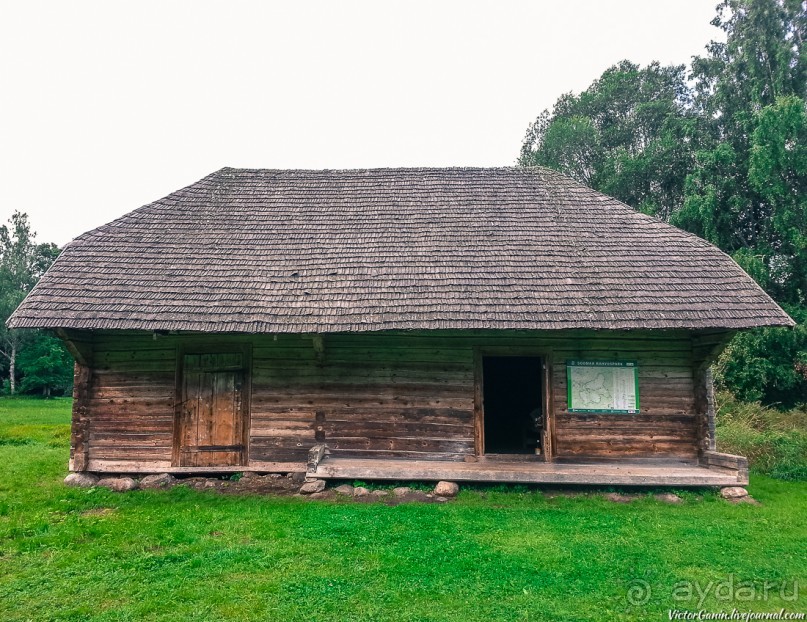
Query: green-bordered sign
x,y
603,386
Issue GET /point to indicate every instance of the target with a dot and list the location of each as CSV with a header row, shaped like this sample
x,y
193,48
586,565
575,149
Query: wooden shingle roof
x,y
364,250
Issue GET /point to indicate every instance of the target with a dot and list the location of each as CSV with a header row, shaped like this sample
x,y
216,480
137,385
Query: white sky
x,y
106,106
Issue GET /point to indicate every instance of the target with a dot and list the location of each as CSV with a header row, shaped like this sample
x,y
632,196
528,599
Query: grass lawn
x,y
493,554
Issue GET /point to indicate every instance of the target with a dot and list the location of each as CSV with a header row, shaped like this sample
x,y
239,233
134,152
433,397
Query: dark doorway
x,y
513,409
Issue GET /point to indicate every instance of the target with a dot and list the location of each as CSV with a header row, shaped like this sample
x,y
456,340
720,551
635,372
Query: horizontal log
x,y
354,417
334,356
424,417
436,446
110,434
425,377
136,392
129,452
730,461
383,430
135,465
147,439
581,437
146,417
165,466
626,438
316,393
266,416
280,454
113,377
398,455
613,447
303,440
143,408
256,435
586,420
317,401
345,375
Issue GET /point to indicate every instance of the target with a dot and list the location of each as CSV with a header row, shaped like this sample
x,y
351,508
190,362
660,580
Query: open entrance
x,y
513,411
213,409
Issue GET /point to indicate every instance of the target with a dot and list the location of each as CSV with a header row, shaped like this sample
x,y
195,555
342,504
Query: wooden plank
x,y
146,439
384,429
283,454
129,452
624,473
349,416
267,399
310,393
431,445
165,466
726,462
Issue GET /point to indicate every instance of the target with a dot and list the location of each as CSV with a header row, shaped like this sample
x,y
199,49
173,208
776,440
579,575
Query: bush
x,y
768,365
774,441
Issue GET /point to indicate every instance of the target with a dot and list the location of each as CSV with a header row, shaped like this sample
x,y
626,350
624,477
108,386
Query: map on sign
x,y
603,386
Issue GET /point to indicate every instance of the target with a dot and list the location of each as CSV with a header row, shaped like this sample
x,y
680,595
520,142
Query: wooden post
x,y
319,348
548,448
80,429
710,408
705,350
705,408
479,412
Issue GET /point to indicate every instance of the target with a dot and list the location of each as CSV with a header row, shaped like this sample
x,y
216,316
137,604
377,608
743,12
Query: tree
x,y
628,135
778,174
768,365
722,153
22,263
45,365
750,93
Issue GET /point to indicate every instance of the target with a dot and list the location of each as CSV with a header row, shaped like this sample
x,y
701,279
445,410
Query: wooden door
x,y
212,410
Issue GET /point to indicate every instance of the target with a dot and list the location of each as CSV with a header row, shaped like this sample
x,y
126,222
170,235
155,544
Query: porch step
x,y
626,473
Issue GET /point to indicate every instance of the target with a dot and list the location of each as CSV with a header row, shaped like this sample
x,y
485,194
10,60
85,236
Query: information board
x,y
603,386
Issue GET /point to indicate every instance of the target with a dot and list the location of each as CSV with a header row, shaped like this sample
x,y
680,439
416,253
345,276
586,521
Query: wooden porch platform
x,y
624,473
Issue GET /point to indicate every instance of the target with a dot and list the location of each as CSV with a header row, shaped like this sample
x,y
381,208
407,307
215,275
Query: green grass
x,y
774,441
495,554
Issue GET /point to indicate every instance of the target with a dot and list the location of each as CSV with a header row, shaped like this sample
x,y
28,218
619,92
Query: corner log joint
x,y
315,456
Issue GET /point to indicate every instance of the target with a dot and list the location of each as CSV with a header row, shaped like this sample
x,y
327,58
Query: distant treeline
x,y
32,361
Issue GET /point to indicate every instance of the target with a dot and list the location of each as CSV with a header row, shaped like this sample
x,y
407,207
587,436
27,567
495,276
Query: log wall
x,y
400,395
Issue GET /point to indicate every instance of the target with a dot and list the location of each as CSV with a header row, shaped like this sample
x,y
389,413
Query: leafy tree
x,y
768,365
46,366
22,263
721,152
628,135
750,92
778,174
569,144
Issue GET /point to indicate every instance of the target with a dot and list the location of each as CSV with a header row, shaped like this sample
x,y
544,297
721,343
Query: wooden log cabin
x,y
468,324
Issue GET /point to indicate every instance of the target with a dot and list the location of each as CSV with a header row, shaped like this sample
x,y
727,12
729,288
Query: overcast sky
x,y
106,106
